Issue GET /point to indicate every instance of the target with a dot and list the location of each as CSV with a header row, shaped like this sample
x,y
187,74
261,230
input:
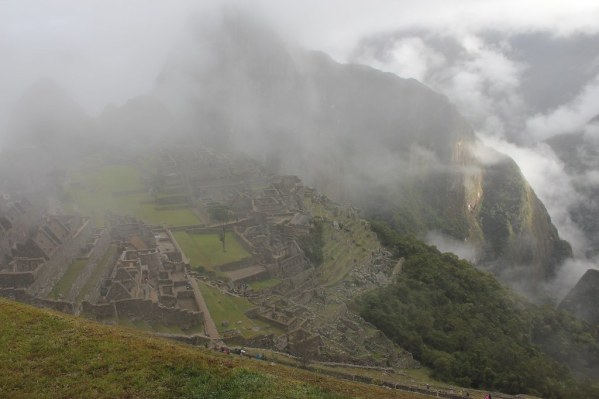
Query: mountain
x,y
47,117
392,146
142,116
583,298
500,79
579,151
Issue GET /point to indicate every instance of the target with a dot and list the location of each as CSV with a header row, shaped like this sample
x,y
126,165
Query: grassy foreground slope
x,y
50,355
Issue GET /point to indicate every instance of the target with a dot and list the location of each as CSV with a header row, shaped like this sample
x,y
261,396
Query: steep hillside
x,y
470,330
390,145
579,151
583,298
49,355
516,227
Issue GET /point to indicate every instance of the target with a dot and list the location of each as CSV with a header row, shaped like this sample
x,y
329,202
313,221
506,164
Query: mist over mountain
x,y
392,146
354,144
519,88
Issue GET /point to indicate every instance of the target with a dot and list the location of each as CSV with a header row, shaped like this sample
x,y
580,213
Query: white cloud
x,y
546,175
567,118
111,50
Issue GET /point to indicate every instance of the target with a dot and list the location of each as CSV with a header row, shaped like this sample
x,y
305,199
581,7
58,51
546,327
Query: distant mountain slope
x,y
390,145
49,355
579,151
583,299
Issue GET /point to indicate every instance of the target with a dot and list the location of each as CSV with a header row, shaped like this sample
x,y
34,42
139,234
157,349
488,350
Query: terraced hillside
x,y
123,189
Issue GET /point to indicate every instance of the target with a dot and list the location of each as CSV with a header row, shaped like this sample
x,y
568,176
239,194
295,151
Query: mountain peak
x,y
582,299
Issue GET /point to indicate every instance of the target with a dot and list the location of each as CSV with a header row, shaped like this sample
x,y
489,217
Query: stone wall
x,y
98,311
197,340
146,310
96,291
16,279
240,264
22,295
261,341
102,245
54,269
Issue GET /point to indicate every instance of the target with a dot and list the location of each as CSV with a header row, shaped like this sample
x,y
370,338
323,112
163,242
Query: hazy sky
x,y
110,50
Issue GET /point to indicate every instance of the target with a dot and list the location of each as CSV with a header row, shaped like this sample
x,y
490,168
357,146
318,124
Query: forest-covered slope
x,y
471,330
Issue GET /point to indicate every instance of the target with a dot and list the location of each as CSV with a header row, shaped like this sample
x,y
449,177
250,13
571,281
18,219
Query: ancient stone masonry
x,y
92,253
40,247
142,310
210,176
149,280
24,296
139,273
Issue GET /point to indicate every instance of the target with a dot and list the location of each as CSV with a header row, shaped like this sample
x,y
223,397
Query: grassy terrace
x,y
97,274
120,188
63,285
206,249
49,355
262,284
354,241
232,309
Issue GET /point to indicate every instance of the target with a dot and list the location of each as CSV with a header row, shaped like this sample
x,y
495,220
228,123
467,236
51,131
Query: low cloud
x,y
568,118
445,243
546,174
568,275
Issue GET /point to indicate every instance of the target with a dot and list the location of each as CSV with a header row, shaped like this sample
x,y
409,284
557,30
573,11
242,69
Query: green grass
x,y
157,327
262,284
62,356
63,285
121,189
232,309
98,272
206,249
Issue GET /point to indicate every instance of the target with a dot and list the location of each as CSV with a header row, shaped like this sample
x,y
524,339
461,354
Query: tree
x,y
220,213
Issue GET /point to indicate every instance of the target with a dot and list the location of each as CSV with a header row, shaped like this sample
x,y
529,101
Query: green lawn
x,y
121,189
63,285
232,309
206,249
259,285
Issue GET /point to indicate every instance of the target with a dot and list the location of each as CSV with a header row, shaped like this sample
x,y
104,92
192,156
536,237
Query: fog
x,y
520,72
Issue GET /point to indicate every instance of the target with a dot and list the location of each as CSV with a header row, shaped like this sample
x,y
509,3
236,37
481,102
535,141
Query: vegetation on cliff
x,y
472,331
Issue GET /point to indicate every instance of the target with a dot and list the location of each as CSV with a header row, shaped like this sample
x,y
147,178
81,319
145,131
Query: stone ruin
x,y
35,248
149,281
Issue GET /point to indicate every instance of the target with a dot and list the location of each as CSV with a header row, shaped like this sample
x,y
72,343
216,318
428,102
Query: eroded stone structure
x,y
36,248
